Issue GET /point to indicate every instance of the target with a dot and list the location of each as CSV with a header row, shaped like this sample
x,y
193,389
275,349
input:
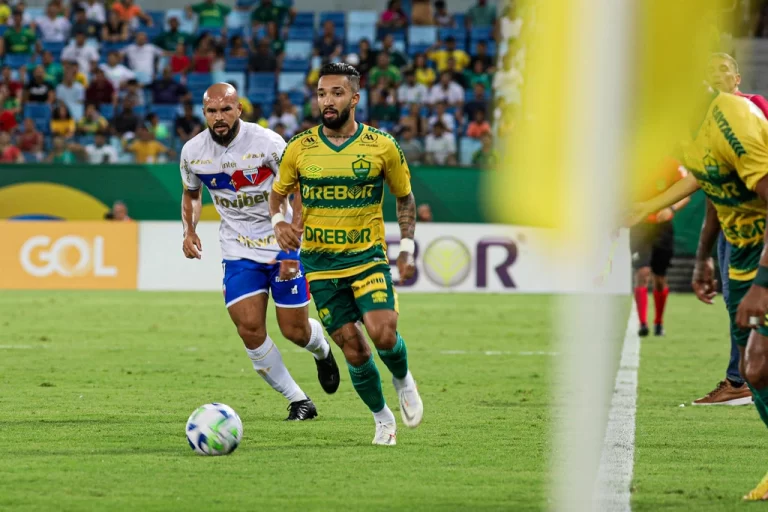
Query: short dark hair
x,y
344,69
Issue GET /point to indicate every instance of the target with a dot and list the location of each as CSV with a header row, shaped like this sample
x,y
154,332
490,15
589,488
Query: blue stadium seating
x,y
3,28
467,148
491,47
304,20
298,49
237,64
16,61
357,32
338,18
481,33
262,80
54,48
41,114
297,97
301,34
290,81
422,35
457,33
107,110
166,112
362,17
296,65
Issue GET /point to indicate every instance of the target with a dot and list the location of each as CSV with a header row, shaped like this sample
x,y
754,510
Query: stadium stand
x,y
139,68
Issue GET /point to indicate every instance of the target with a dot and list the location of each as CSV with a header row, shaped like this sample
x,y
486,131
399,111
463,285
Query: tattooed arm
x,y
406,218
406,215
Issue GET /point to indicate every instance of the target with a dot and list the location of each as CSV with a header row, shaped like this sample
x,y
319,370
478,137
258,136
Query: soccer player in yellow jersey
x,y
728,157
340,168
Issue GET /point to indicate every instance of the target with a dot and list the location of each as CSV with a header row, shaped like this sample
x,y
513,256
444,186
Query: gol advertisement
x,y
68,255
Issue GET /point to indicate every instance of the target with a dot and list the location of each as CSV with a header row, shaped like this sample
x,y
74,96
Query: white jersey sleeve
x,y
189,178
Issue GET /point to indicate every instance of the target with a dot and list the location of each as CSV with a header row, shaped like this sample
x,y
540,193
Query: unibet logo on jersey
x,y
75,255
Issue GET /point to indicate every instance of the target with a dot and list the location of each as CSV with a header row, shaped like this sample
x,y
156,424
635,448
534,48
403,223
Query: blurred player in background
x,y
340,168
652,246
237,162
723,75
728,157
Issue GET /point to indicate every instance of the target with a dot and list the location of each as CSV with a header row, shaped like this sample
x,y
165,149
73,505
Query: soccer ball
x,y
214,429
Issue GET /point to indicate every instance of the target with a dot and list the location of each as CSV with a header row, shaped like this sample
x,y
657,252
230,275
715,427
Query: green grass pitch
x,y
97,387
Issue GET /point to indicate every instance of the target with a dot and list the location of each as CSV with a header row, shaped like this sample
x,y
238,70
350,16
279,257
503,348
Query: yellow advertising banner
x,y
68,255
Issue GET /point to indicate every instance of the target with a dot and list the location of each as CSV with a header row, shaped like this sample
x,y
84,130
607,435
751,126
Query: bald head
x,y
222,110
220,92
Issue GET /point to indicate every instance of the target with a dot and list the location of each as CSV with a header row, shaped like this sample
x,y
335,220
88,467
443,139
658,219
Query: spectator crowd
x,y
107,83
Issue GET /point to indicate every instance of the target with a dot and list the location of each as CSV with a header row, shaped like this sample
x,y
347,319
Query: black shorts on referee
x,y
652,245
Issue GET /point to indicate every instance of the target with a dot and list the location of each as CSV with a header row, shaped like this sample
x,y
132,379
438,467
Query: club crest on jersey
x,y
250,177
361,168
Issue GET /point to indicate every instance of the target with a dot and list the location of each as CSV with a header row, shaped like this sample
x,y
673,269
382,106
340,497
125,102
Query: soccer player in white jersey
x,y
237,162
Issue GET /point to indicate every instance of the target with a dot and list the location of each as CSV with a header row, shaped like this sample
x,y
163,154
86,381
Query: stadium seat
x,y
237,64
3,28
298,49
35,12
199,79
304,20
107,110
357,32
263,80
158,17
16,61
246,4
382,32
288,81
84,140
237,19
481,33
362,17
295,65
54,48
467,148
297,98
260,96
460,18
422,35
300,34
362,106
231,77
457,33
166,112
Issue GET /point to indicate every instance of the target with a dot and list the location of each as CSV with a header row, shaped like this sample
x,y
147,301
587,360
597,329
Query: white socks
x,y
406,382
317,345
268,362
384,416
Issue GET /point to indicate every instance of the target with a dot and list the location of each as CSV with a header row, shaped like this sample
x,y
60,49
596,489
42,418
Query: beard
x,y
340,119
228,137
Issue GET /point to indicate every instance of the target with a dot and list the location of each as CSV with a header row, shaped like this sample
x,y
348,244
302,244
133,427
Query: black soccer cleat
x,y
301,410
643,332
328,373
658,330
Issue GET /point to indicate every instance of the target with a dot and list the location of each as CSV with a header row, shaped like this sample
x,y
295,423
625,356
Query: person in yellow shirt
x,y
62,123
441,55
5,12
146,149
423,73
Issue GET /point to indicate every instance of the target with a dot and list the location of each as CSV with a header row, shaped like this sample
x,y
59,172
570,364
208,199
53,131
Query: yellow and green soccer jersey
x,y
729,156
342,189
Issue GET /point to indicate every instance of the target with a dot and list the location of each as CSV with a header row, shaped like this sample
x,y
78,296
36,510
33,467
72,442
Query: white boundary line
x,y
614,477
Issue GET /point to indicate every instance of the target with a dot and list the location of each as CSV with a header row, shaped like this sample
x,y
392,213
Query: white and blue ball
x,y
214,429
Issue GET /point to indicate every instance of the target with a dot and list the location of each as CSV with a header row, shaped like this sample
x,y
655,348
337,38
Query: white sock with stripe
x,y
268,362
317,345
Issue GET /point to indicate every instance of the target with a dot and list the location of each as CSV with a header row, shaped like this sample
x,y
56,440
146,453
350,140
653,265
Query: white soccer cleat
x,y
411,406
386,434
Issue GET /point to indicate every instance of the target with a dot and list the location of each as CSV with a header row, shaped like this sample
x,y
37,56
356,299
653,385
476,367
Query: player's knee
x,y
659,282
252,334
353,345
298,332
756,374
383,335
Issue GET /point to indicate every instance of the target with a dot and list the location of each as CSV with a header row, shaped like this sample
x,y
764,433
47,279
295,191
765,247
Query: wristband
x,y
278,217
761,279
409,246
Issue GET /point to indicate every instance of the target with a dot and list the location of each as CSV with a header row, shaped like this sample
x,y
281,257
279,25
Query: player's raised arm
x,y
671,197
191,206
398,178
287,178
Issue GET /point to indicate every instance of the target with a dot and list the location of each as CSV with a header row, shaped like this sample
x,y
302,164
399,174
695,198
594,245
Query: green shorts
x,y
346,299
737,291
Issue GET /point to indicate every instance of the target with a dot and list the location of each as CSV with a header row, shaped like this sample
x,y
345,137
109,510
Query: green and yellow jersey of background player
x,y
728,155
342,189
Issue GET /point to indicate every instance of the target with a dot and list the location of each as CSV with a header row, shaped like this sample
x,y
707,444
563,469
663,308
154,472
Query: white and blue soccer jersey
x,y
239,178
